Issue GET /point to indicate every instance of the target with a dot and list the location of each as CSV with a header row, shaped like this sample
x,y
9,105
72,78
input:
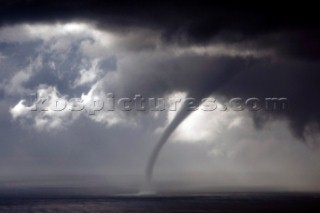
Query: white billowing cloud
x,y
52,110
88,75
205,126
201,125
49,111
107,113
221,50
30,32
20,109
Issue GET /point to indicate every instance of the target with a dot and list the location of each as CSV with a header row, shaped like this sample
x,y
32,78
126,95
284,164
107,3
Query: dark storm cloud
x,y
185,22
295,80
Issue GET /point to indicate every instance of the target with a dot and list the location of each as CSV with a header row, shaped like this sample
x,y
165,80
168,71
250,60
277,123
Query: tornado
x,y
182,114
209,84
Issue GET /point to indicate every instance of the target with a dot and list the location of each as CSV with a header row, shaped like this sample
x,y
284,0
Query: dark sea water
x,y
219,202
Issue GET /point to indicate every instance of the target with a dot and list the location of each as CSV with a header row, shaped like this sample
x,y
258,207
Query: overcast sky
x,y
86,49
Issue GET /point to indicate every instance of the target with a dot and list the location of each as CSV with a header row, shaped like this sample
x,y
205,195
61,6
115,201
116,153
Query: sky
x,y
87,49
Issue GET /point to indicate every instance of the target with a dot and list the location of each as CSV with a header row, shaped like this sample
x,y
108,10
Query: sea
x,y
227,202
